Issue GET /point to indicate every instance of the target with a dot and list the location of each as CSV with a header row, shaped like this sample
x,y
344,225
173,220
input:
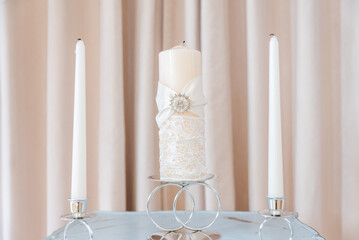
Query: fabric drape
x,y
319,53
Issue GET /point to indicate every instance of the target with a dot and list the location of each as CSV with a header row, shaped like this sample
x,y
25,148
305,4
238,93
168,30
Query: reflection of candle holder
x,y
78,214
184,187
276,212
179,236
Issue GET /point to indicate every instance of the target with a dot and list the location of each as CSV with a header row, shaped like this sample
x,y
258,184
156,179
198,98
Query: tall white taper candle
x,y
275,158
78,187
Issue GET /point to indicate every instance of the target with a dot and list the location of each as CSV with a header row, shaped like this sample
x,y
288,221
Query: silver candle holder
x,y
276,206
274,212
184,186
78,208
78,215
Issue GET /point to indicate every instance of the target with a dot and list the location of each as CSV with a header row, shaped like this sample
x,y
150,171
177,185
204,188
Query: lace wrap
x,y
182,153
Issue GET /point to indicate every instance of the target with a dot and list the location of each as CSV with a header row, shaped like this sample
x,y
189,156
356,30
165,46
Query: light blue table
x,y
229,226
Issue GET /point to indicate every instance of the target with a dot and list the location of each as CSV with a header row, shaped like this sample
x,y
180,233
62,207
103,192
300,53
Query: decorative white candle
x,y
78,187
180,119
275,158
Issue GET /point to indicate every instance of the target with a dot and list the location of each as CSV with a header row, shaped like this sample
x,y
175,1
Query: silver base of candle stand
x,y
276,211
184,186
78,215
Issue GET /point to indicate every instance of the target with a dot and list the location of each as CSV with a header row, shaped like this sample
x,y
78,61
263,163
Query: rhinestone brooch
x,y
180,103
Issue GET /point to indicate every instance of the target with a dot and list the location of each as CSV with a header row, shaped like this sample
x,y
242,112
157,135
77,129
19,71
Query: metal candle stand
x,y
184,186
78,214
276,212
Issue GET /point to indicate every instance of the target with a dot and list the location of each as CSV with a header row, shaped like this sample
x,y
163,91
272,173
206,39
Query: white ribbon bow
x,y
192,90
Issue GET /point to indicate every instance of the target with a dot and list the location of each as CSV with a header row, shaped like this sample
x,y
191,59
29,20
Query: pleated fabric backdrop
x,y
319,56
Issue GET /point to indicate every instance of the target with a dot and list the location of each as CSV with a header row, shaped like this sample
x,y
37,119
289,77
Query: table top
x,y
229,226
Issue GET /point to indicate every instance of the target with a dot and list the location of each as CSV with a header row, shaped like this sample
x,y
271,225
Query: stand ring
x,y
83,223
268,218
185,188
150,198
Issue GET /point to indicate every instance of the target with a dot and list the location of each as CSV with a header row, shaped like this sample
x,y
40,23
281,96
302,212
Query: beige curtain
x,y
319,55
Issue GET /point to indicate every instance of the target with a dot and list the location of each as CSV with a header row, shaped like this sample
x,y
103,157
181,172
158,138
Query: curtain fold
x,y
317,115
319,53
23,118
112,144
308,136
257,89
239,99
60,87
349,88
216,86
144,80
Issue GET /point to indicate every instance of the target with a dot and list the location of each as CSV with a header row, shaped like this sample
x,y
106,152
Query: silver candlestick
x,y
276,212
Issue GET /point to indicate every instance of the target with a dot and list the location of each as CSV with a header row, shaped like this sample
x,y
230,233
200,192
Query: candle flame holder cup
x,y
78,215
276,211
78,208
276,206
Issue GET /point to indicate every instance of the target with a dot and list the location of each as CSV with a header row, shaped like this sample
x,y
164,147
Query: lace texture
x,y
182,155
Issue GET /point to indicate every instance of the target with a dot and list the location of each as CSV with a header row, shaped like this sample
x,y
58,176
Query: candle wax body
x,y
177,66
78,187
181,135
275,159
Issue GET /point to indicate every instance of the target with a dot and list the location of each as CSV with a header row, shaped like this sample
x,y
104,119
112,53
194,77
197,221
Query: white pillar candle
x,y
179,65
275,158
180,71
78,187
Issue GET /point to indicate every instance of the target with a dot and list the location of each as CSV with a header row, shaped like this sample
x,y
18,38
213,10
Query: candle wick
x,y
183,44
79,39
271,35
